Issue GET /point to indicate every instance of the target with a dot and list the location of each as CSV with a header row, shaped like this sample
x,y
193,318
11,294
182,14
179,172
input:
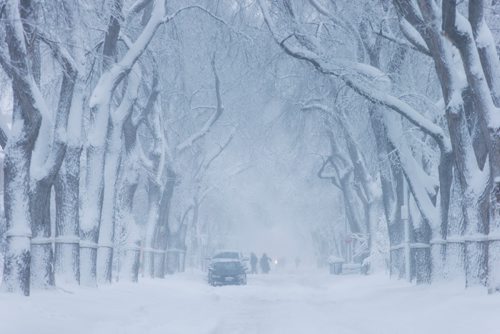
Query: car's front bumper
x,y
227,280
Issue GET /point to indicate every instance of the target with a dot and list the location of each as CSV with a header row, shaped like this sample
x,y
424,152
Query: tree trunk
x,y
26,121
91,213
99,103
16,272
494,224
176,249
151,226
107,225
420,234
42,260
396,229
42,257
162,233
128,233
67,241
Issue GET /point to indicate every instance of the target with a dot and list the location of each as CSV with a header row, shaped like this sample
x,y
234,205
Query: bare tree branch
x,y
210,122
221,149
412,46
321,171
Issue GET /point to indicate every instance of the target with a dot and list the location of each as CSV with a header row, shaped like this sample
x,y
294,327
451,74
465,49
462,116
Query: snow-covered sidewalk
x,y
279,303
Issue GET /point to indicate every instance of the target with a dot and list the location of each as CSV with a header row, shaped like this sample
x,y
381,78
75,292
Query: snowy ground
x,y
279,303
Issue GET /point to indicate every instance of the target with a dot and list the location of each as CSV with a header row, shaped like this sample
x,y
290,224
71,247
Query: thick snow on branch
x,y
109,80
421,184
355,76
413,36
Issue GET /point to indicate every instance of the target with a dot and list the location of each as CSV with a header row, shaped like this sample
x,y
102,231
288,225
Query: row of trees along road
x,y
104,115
441,131
93,103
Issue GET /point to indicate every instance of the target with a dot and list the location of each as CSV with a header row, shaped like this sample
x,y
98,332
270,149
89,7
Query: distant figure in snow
x,y
265,264
297,262
253,263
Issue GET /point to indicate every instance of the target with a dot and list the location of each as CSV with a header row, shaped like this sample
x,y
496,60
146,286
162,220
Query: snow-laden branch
x,y
369,189
210,122
44,170
354,76
403,43
346,25
119,115
345,170
460,30
135,8
16,65
155,160
414,37
48,168
204,10
486,47
417,179
110,79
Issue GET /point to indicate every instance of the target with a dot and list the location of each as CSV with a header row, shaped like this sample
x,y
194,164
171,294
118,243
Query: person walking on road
x,y
253,263
265,264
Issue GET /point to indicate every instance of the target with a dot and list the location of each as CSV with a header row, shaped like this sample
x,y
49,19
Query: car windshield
x,y
227,255
227,266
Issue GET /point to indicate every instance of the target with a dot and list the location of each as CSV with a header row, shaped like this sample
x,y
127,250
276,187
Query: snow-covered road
x,y
277,303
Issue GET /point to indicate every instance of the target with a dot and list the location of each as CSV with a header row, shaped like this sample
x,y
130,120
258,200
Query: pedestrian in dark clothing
x,y
265,264
253,263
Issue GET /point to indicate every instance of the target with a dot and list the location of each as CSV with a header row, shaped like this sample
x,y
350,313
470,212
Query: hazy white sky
x,y
273,204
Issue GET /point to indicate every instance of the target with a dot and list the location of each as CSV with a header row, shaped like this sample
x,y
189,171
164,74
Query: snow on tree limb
x,y
415,175
136,7
413,36
403,43
351,74
460,30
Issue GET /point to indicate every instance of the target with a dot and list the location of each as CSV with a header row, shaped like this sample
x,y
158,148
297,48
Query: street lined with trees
x,y
125,125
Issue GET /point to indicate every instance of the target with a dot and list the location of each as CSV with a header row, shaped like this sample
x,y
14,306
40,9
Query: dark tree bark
x,y
42,252
161,232
67,194
18,152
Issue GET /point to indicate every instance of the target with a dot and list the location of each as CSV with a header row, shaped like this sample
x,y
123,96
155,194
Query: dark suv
x,y
227,268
